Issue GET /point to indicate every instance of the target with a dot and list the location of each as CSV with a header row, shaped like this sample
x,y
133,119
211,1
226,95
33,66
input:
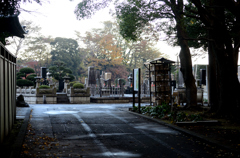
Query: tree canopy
x,y
60,70
67,51
108,51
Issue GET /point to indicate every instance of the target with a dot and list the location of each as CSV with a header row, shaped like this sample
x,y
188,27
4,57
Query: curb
x,y
17,146
187,132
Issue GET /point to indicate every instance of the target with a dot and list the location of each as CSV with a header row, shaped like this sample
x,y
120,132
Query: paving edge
x,y
190,133
17,146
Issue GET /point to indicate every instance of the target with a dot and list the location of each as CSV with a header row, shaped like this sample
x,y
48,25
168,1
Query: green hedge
x,y
44,87
78,85
21,83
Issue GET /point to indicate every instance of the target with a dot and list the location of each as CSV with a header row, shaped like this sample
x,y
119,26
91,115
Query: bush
x,y
72,83
20,75
26,70
31,77
44,87
21,83
78,85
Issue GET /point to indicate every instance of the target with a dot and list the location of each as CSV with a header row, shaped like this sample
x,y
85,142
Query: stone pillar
x,y
102,82
120,82
91,76
86,82
108,75
92,79
43,72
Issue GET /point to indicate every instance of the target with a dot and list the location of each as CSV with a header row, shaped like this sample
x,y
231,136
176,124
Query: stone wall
x,y
7,91
35,96
79,96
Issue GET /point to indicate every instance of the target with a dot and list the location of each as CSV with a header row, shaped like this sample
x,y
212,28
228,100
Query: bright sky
x,y
57,18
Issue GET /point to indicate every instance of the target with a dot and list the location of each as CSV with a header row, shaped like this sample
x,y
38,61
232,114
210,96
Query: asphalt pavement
x,y
105,130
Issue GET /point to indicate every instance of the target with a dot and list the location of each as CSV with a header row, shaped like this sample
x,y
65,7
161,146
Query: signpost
x,y
137,86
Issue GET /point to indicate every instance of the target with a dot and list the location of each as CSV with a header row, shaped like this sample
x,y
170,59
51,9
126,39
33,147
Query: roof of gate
x,y
11,26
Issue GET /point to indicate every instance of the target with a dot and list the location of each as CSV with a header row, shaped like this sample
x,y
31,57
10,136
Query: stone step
x,y
62,98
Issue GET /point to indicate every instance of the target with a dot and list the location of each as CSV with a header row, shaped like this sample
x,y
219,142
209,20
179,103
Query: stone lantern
x,y
37,81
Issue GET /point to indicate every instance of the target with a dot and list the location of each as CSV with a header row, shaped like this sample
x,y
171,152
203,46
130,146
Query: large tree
x,y
221,18
132,53
38,48
66,50
59,70
108,50
135,14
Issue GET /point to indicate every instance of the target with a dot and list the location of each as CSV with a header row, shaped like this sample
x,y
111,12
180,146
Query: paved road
x,y
104,130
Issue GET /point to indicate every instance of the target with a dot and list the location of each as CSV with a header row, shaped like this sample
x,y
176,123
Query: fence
x,y
26,90
7,91
116,91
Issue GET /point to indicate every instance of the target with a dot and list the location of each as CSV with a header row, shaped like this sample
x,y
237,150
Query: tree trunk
x,y
224,53
229,100
212,77
185,56
186,69
225,56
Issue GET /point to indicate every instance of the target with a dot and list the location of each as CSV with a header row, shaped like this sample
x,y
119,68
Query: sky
x,y
57,18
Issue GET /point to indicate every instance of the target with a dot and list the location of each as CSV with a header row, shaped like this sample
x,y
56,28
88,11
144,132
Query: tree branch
x,y
196,39
191,16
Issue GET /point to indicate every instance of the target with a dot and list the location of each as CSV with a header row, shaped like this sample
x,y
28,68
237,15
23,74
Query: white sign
x,y
136,79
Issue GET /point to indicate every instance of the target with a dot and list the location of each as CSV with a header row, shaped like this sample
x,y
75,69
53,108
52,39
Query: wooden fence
x,y
7,91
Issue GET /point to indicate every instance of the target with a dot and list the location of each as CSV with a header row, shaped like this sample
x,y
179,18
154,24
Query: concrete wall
x,y
79,100
79,96
7,91
50,99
